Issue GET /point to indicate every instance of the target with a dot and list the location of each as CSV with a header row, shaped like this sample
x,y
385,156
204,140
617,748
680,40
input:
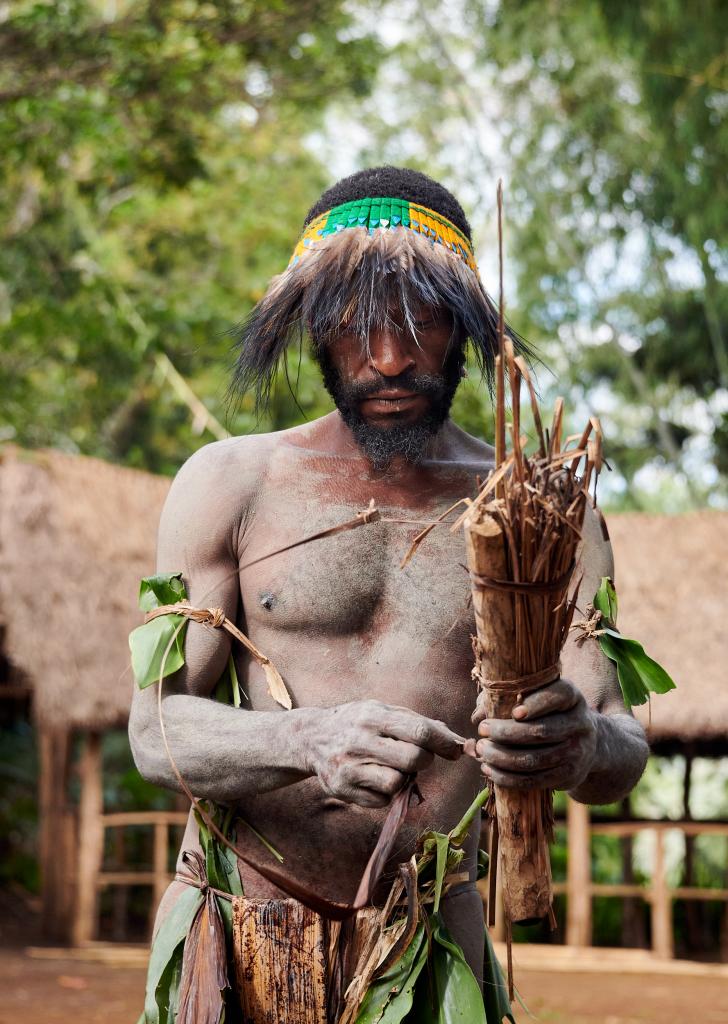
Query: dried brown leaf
x,y
204,967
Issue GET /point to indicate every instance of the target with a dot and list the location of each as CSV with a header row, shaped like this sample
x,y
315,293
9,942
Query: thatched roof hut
x,y
673,598
76,534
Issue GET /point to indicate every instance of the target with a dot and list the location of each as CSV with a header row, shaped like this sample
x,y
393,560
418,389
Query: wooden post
x,y
661,903
120,895
90,840
578,878
56,839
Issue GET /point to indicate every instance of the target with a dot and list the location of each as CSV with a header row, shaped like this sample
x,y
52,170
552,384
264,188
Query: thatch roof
x,y
673,598
76,534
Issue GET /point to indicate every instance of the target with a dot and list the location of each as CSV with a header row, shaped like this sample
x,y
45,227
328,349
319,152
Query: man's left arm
x,y
575,734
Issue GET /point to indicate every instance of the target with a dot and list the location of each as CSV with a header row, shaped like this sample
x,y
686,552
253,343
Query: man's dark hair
x,y
394,183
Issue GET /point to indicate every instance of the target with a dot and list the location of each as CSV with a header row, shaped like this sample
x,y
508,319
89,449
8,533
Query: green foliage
x,y
619,169
638,674
447,991
157,647
154,178
165,959
608,122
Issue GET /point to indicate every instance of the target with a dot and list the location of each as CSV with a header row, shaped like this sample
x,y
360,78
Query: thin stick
x,y
500,409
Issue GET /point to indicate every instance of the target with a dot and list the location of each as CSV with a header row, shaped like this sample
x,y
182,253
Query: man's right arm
x,y
221,752
360,751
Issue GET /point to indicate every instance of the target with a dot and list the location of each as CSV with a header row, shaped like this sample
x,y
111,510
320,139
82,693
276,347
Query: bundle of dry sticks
x,y
522,534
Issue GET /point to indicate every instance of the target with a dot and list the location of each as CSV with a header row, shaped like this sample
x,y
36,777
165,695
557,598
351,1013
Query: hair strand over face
x,y
353,280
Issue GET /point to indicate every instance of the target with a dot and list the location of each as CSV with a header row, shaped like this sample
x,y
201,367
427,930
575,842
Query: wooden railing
x,y
579,887
158,878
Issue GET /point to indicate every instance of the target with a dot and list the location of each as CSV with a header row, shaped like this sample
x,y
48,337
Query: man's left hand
x,y
549,743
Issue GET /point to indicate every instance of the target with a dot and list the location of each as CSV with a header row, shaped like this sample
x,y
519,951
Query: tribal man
x,y
378,659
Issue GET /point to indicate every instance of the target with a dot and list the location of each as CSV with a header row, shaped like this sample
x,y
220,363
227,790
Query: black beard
x,y
407,440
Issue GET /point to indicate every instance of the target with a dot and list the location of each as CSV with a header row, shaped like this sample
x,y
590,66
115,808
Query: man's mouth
x,y
391,401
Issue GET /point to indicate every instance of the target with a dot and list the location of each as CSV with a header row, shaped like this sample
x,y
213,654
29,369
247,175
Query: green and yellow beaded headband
x,y
386,213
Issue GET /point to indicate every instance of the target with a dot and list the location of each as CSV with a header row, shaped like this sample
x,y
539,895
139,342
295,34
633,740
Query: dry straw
x,y
522,534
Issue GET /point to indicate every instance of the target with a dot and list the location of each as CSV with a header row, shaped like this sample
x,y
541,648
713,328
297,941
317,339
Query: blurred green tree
x,y
609,123
619,165
154,175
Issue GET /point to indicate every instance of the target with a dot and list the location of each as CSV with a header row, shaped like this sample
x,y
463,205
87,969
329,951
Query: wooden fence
x,y
579,887
91,883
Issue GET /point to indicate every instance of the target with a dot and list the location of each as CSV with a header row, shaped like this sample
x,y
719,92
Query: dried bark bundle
x,y
522,534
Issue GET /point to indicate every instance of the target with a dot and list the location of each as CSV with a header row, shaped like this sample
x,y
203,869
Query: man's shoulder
x,y
469,450
221,479
246,455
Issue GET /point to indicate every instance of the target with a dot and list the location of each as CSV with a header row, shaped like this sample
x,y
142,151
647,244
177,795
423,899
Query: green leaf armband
x,y
638,673
148,643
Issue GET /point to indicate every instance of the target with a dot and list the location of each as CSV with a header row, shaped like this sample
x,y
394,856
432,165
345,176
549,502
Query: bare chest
x,y
352,584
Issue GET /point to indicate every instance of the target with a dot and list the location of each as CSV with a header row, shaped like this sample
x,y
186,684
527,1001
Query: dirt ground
x,y
64,991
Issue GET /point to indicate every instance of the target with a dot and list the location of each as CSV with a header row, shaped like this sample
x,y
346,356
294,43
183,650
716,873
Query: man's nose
x,y
389,353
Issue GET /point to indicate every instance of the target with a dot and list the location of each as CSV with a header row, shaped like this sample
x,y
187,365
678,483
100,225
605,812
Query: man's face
x,y
397,394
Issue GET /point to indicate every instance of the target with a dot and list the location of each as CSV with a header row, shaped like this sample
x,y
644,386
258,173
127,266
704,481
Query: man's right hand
x,y
363,751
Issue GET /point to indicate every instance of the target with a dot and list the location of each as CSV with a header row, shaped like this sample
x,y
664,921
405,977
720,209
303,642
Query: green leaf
x,y
449,993
605,601
630,683
164,588
653,676
442,843
234,683
227,689
638,674
165,958
148,644
459,833
392,993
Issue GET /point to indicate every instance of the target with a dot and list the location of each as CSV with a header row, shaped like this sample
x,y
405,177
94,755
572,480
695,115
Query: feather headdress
x,y
353,270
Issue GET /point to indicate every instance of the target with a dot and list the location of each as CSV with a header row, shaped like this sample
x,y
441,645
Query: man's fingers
x,y
428,733
479,714
551,729
405,757
516,759
559,696
365,798
558,778
377,778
